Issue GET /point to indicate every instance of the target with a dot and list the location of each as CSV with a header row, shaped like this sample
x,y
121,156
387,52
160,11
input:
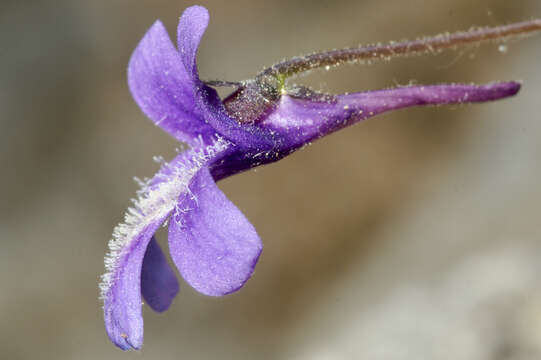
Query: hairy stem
x,y
222,83
426,45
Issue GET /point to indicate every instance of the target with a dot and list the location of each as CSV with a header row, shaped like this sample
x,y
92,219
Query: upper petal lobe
x,y
191,27
163,88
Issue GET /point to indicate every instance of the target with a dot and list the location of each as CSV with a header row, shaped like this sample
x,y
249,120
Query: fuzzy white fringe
x,y
155,202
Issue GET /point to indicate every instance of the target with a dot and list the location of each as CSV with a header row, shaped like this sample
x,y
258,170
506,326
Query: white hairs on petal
x,y
154,202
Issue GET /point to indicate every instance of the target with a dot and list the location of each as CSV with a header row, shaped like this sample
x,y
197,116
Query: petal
x,y
191,27
121,284
163,89
301,120
213,245
159,284
122,301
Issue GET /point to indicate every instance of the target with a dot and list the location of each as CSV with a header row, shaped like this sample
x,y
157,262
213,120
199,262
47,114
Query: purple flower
x,y
213,245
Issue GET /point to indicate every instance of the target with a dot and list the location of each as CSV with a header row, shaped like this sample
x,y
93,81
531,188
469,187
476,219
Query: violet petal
x,y
159,284
191,27
121,284
122,302
163,89
213,245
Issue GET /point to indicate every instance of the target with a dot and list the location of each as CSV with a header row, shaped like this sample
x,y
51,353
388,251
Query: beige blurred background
x,y
414,235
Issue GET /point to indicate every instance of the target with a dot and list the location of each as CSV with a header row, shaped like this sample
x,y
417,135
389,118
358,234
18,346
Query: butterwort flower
x,y
213,245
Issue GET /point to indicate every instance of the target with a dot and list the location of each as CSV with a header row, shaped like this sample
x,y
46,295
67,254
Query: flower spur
x,y
213,245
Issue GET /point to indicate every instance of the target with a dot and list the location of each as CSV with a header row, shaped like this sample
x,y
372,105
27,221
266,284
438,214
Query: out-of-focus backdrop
x,y
413,235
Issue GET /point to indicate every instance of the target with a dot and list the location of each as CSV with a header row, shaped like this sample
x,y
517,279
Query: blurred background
x,y
413,235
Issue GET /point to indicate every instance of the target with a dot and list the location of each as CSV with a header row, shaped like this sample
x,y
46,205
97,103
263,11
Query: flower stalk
x,y
425,45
